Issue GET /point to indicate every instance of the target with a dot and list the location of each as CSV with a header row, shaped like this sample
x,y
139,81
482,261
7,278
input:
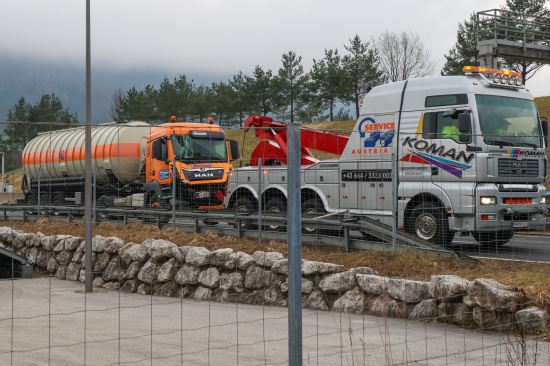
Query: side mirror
x,y
160,151
465,127
157,150
234,149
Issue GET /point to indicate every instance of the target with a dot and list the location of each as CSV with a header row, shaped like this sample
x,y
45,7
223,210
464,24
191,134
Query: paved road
x,y
521,247
45,321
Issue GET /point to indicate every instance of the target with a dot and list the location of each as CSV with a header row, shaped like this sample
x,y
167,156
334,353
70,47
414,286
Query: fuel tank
x,y
118,150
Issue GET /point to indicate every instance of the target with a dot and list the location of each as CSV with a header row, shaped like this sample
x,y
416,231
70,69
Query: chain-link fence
x,y
417,249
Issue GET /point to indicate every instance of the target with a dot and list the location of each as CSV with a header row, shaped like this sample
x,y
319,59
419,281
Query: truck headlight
x,y
488,200
543,200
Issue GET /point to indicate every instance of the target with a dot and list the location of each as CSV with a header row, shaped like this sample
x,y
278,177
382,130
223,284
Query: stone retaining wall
x,y
164,269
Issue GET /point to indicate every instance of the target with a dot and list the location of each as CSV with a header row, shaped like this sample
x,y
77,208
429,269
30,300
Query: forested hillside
x,y
31,79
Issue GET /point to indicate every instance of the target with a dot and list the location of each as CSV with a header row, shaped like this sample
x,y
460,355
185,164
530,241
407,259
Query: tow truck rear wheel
x,y
492,239
313,208
275,206
428,222
244,205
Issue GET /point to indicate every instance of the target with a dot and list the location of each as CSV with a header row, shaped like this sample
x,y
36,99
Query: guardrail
x,y
240,225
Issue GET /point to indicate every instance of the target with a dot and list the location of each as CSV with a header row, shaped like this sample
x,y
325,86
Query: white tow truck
x,y
401,163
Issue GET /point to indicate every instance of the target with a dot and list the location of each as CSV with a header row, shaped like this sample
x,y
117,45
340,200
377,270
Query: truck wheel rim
x,y
310,211
274,210
425,226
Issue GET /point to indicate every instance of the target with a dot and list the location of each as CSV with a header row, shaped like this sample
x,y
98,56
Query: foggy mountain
x,y
32,79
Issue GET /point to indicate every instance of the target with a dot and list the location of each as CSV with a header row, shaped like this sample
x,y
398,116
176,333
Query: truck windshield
x,y
509,121
187,148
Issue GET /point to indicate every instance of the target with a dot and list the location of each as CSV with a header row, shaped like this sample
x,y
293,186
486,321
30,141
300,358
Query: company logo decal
x,y
62,155
201,166
432,154
516,153
378,136
163,174
513,153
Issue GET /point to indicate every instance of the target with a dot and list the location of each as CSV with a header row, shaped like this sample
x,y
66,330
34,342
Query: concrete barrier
x,y
10,197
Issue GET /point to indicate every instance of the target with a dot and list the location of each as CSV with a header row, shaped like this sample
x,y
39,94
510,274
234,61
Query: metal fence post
x,y
294,247
395,198
174,171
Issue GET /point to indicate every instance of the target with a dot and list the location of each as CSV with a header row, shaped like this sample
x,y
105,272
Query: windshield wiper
x,y
527,144
205,159
498,142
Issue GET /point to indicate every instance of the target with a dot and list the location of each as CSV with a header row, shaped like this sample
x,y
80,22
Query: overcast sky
x,y
221,38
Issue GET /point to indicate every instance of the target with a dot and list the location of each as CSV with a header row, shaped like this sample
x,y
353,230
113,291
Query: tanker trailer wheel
x,y
244,205
209,222
106,201
275,206
492,239
57,199
429,222
31,200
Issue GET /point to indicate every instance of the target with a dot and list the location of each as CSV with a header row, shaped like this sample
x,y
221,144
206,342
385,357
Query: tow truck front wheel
x,y
492,239
429,222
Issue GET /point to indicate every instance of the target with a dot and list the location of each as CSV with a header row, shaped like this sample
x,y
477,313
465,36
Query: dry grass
x,y
532,278
543,105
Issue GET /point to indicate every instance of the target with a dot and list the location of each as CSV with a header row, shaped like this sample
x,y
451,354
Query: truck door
x,y
451,161
157,168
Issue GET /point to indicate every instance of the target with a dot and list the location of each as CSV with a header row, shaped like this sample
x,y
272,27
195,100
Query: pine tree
x,y
464,52
290,81
361,71
328,79
527,10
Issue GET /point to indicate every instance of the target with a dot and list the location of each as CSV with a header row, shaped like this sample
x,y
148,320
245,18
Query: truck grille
x,y
515,168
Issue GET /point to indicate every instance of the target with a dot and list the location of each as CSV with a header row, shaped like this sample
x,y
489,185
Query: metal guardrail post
x,y
196,224
94,197
38,198
260,199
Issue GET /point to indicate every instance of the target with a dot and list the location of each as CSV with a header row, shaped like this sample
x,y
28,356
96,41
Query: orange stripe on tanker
x,y
106,151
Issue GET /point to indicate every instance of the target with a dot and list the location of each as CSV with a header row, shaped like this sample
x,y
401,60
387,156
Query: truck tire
x,y
57,200
429,222
492,239
31,200
210,222
105,200
243,205
275,206
312,208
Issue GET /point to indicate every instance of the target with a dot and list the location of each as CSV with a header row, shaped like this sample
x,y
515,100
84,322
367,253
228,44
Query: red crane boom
x,y
273,147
